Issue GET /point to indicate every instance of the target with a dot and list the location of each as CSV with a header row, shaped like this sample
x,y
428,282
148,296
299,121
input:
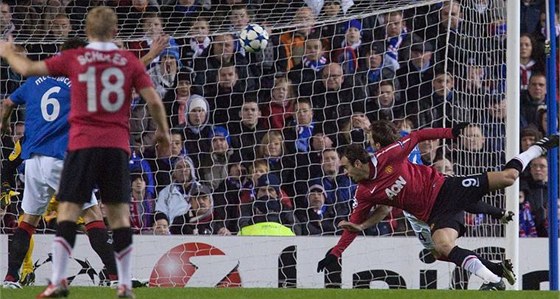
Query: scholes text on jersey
x,y
96,56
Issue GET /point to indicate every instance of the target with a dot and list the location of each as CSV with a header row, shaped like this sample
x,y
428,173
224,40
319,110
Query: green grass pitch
x,y
246,293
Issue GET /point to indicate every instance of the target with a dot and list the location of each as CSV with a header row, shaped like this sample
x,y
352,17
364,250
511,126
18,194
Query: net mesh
x,y
418,63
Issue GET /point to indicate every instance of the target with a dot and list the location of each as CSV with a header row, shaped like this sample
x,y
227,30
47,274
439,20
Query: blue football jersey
x,y
47,105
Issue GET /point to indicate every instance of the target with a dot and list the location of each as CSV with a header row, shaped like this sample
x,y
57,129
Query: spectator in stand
x,y
214,168
309,69
267,205
386,103
473,154
494,123
77,11
199,220
247,133
141,204
338,186
331,11
297,134
221,52
162,167
527,227
542,28
172,200
60,27
444,165
175,100
347,52
353,130
316,217
227,95
542,119
291,45
530,12
429,150
238,18
130,13
280,107
531,59
142,126
227,197
532,98
429,110
398,40
152,29
528,137
273,148
444,32
336,97
164,73
416,75
181,13
198,130
196,45
538,194
373,69
7,26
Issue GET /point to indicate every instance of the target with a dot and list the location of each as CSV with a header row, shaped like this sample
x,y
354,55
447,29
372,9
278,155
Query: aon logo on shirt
x,y
396,188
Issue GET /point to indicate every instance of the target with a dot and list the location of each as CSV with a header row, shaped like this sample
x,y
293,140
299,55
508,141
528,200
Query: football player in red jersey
x,y
103,78
387,179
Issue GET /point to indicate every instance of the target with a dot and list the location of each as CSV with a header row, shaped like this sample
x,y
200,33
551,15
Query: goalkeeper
x,y
47,101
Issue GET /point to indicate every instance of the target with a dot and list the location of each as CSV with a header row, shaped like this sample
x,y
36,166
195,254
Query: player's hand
x,y
458,128
328,260
159,44
6,46
163,143
349,226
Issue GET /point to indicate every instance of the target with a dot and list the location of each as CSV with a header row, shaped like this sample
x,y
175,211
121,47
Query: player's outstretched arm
x,y
157,111
158,45
20,63
380,212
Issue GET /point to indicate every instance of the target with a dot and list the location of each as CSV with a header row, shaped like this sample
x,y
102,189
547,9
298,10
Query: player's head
x,y
383,133
73,43
101,24
355,161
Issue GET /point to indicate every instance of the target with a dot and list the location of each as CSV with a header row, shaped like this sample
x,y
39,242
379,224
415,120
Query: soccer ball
x,y
253,38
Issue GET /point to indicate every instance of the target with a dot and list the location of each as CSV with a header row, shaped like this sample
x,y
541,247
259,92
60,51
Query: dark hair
x,y
355,152
531,132
73,43
384,132
304,101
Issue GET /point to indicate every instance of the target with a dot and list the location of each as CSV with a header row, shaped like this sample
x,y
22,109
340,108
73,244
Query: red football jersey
x,y
103,78
395,181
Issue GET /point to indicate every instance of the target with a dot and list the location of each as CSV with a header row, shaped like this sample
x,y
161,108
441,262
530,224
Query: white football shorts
x,y
42,177
422,231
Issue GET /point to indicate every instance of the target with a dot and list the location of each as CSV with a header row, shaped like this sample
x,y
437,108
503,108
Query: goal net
x,y
242,121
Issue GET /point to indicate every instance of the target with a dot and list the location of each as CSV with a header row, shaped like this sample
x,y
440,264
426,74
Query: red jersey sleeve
x,y
359,215
430,134
400,150
58,65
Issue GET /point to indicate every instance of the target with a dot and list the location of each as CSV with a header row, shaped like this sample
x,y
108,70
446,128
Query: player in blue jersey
x,y
47,102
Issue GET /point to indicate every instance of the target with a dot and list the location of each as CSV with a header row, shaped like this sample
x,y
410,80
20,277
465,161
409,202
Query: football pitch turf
x,y
262,293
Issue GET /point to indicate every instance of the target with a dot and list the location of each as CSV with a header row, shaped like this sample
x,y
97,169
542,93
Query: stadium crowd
x,y
256,136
